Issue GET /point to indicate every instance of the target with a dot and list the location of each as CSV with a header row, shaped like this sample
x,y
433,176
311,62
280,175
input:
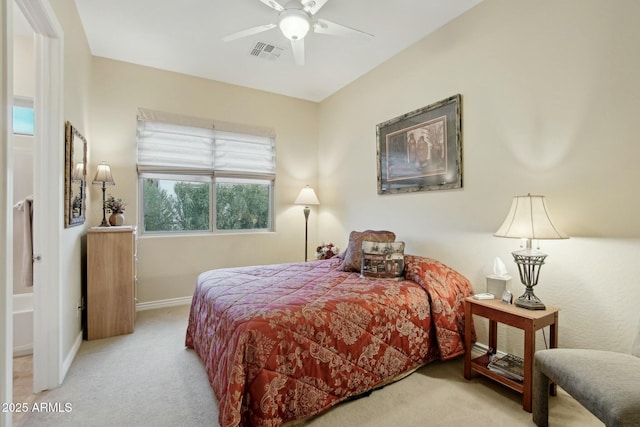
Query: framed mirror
x,y
75,176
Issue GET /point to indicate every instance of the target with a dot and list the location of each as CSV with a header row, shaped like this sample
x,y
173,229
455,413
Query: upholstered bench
x,y
605,382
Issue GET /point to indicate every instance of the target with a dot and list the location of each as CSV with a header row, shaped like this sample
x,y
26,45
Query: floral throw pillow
x,y
353,253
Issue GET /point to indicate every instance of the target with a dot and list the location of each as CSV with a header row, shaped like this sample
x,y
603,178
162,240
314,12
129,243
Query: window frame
x,y
26,103
172,177
271,222
211,180
186,174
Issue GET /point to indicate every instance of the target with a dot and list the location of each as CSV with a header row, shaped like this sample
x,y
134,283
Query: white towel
x,y
27,250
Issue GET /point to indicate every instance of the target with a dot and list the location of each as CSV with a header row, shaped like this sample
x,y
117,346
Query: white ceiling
x,y
186,36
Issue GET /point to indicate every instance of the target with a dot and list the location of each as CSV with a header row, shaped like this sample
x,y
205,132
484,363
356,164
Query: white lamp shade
x,y
307,197
78,172
103,175
294,24
529,218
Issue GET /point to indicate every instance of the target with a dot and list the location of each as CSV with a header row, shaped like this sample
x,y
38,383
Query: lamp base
x,y
529,301
104,222
529,263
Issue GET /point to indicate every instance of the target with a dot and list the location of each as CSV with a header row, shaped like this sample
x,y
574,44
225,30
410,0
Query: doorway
x,y
23,188
47,206
48,369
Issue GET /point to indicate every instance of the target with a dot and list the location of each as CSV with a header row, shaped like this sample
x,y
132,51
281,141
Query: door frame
x,y
48,370
48,217
6,202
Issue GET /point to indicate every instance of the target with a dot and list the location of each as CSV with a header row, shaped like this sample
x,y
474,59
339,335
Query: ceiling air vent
x,y
266,51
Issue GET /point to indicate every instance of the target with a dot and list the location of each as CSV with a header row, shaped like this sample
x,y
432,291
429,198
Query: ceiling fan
x,y
295,20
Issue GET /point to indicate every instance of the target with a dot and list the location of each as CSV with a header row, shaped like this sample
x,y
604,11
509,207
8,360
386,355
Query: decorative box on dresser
x,y
111,281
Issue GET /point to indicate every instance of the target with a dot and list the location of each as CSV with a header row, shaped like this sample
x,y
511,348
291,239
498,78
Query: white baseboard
x,y
173,302
22,350
481,348
72,355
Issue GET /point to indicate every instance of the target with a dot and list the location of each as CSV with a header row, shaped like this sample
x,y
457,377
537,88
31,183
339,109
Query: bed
x,y
281,343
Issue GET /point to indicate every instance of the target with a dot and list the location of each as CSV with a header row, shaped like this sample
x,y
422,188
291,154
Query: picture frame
x,y
75,176
507,297
421,150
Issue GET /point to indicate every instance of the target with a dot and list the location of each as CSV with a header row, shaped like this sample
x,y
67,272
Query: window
x,y
23,116
204,176
242,204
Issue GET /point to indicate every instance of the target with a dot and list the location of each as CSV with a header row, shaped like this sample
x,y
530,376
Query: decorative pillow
x,y
353,253
382,260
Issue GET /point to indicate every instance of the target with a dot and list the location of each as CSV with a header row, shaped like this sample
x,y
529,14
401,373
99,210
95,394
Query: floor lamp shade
x,y
104,178
529,219
306,197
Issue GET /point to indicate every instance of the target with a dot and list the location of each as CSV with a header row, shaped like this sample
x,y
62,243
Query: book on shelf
x,y
509,365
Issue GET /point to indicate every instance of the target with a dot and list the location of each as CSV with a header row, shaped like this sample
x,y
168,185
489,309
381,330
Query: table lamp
x,y
103,176
306,197
529,219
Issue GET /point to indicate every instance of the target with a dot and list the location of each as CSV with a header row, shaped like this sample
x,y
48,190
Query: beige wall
x,y
168,267
550,104
23,66
76,94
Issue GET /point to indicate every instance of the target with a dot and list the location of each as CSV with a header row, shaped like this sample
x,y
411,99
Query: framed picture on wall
x,y
421,150
75,176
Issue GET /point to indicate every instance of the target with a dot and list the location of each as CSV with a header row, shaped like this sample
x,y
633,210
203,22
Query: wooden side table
x,y
528,320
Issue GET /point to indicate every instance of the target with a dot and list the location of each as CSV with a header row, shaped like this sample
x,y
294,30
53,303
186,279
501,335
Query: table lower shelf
x,y
479,364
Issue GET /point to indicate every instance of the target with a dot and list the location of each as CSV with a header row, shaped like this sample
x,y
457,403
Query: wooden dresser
x,y
111,281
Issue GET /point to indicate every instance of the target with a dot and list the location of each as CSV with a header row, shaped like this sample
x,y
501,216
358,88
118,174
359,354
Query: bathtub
x,y
22,324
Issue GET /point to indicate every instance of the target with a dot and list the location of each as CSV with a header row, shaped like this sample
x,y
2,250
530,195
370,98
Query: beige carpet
x,y
148,378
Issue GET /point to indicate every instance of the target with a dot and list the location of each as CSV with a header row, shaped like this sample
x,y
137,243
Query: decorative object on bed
x,y
285,342
104,178
529,219
382,260
326,251
353,253
421,150
306,197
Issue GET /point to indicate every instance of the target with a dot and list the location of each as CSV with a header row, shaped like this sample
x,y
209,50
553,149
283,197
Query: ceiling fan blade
x,y
273,5
322,26
313,6
248,32
297,46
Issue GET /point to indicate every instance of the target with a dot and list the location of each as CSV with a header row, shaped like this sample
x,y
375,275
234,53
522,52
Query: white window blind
x,y
234,152
170,143
166,147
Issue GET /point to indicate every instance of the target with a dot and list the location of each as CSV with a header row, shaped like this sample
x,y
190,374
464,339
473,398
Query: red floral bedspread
x,y
287,341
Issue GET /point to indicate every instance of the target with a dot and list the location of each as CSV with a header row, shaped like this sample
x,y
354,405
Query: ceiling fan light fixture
x,y
294,24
